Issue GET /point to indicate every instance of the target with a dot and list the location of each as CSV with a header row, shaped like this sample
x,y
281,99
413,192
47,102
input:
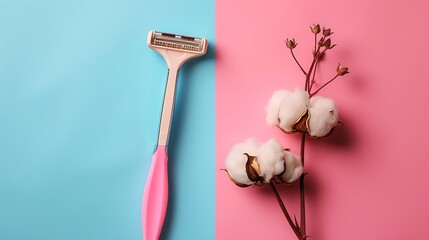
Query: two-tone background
x,y
80,102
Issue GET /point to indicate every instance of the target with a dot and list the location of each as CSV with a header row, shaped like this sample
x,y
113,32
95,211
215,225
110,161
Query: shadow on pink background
x,y
368,179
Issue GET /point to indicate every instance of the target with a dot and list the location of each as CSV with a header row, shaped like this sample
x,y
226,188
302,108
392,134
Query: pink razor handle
x,y
155,196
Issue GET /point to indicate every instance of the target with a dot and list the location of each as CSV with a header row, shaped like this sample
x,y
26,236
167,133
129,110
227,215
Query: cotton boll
x,y
235,162
293,169
323,116
292,108
273,106
270,159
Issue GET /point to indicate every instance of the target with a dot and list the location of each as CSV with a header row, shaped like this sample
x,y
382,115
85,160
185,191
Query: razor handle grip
x,y
155,197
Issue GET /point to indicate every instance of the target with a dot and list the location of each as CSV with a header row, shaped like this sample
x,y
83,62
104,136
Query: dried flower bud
x,y
327,43
315,28
342,70
327,32
290,43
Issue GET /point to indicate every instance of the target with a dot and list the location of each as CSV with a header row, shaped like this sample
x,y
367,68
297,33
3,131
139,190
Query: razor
x,y
176,50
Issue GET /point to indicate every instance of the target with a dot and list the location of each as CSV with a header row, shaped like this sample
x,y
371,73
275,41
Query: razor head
x,y
177,42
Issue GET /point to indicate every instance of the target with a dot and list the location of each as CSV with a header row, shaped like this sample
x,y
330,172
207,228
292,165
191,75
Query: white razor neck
x,y
174,61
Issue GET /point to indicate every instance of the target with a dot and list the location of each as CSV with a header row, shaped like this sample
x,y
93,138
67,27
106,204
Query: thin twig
x,y
315,41
314,75
308,75
307,78
285,212
302,148
296,60
324,85
315,67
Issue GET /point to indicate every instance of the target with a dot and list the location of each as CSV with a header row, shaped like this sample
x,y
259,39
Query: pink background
x,y
367,180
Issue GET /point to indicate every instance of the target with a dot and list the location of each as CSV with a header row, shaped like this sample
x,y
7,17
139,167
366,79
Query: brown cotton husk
x,y
301,125
234,181
252,168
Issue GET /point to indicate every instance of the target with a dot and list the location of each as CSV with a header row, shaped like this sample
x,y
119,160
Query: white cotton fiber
x,y
270,159
235,162
293,107
323,116
293,169
273,106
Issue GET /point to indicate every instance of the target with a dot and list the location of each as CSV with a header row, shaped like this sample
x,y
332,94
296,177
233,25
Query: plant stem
x,y
315,41
314,75
308,75
286,213
302,191
302,148
317,58
324,85
296,60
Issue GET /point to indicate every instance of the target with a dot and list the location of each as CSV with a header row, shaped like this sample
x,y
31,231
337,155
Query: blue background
x,y
80,102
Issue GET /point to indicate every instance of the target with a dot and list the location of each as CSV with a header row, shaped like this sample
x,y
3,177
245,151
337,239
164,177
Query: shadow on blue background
x,y
80,102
